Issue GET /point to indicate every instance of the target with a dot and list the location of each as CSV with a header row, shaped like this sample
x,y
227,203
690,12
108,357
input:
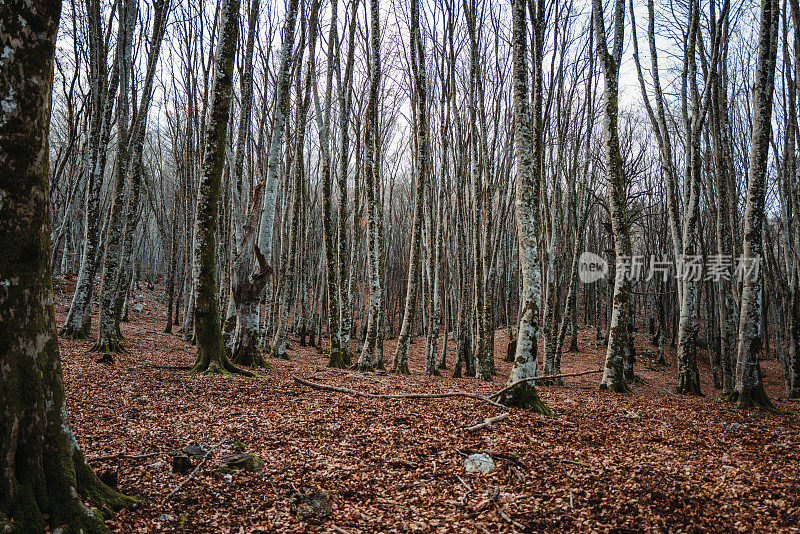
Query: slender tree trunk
x,y
419,100
365,360
749,384
211,355
613,375
79,316
109,339
524,394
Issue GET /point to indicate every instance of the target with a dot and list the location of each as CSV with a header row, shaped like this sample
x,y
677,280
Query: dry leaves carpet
x,y
652,461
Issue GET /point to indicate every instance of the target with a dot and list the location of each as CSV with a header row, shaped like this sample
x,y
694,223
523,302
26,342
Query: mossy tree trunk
x,y
613,375
102,92
109,338
419,99
280,340
43,473
524,394
365,360
211,355
339,356
749,384
345,101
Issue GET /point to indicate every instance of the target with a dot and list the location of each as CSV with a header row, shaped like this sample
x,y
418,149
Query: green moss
x,y
757,398
401,369
339,359
618,386
68,332
525,396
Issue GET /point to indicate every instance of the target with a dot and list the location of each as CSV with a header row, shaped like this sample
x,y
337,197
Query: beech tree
x,y
45,476
749,383
211,355
613,377
524,394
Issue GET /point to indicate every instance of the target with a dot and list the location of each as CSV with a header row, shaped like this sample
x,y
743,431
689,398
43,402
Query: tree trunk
x,y
211,356
749,385
419,101
524,394
44,475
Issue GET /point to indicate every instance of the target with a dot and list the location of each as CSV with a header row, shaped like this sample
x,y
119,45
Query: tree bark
x,y
749,384
43,472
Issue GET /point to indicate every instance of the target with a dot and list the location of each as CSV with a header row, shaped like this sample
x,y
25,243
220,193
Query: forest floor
x,y
652,461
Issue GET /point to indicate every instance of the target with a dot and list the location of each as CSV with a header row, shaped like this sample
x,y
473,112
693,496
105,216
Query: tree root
x,y
249,356
69,332
339,359
363,367
756,398
524,395
218,365
620,386
112,346
401,369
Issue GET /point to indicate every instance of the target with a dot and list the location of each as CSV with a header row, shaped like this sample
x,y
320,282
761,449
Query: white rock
x,y
227,478
480,462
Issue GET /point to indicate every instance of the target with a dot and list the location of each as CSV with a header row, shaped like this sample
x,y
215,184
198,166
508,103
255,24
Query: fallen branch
x,y
122,455
488,422
537,378
574,462
203,461
450,394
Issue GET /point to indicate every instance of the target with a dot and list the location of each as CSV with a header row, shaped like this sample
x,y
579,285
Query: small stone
x,y
166,517
738,425
246,461
227,478
157,465
138,307
479,462
314,503
194,451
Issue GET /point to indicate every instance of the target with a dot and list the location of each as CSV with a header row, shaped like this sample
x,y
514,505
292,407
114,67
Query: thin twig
x,y
489,421
203,461
122,455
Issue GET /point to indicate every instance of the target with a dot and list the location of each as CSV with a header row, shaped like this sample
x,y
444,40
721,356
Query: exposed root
x,y
339,359
106,346
756,398
401,369
620,386
364,367
524,395
220,364
69,332
248,356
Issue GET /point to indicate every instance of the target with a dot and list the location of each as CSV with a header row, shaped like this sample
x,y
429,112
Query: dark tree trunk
x,y
43,473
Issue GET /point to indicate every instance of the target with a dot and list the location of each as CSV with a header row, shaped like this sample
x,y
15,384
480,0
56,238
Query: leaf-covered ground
x,y
651,461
